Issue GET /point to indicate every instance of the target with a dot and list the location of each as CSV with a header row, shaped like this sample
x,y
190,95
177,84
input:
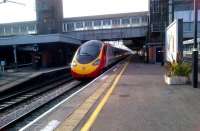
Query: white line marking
x,y
51,125
104,77
63,101
114,69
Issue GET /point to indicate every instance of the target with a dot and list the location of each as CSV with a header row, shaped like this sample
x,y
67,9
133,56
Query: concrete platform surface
x,y
143,102
11,78
67,115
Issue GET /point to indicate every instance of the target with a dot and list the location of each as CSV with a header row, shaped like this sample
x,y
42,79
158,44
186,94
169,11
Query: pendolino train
x,y
93,57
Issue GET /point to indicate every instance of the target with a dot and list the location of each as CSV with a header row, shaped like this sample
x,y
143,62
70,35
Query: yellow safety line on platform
x,y
96,112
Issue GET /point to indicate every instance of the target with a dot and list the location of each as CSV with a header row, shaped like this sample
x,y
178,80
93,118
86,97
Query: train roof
x,y
120,46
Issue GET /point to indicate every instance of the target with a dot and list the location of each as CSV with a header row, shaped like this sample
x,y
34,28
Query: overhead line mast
x,y
8,1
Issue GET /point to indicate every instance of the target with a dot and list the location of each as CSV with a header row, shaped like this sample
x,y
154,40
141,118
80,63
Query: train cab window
x,y
89,51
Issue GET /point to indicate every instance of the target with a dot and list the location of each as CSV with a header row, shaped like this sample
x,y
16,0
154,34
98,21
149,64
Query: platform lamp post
x,y
15,56
172,11
162,31
195,50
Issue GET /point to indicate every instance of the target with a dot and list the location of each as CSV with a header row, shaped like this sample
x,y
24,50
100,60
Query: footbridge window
x,y
116,23
144,19
135,20
107,23
15,29
88,25
79,25
1,30
32,29
126,21
70,26
7,30
97,24
23,28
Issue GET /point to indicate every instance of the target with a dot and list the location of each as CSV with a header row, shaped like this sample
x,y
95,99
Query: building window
x,y
187,16
155,6
187,27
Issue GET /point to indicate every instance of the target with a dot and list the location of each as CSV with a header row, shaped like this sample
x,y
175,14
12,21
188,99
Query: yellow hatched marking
x,y
73,120
92,118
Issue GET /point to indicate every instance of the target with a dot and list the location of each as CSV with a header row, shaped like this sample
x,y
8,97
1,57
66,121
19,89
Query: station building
x,y
38,43
161,14
126,26
140,30
38,50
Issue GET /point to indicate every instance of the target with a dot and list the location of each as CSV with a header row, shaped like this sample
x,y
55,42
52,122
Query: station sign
x,y
3,63
174,40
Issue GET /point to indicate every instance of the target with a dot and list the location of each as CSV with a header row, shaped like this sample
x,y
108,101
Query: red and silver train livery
x,y
93,57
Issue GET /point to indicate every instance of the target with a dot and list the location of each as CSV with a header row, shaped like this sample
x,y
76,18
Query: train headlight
x,y
73,64
96,62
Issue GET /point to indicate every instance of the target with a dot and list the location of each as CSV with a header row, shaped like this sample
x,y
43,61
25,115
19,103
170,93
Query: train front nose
x,y
84,70
87,53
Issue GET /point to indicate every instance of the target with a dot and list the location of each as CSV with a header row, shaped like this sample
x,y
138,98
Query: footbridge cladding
x,y
113,26
109,34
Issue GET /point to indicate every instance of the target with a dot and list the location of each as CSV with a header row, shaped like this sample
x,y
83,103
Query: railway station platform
x,y
13,77
132,97
142,101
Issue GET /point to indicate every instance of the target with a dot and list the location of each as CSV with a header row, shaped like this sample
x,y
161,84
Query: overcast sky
x,y
10,12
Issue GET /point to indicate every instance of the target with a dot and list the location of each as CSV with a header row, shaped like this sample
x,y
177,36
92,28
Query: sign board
x,y
3,63
173,40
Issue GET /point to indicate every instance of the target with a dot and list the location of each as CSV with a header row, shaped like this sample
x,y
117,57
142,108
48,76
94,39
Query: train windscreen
x,y
89,51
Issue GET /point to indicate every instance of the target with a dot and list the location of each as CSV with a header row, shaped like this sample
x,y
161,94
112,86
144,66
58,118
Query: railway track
x,y
16,97
17,104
